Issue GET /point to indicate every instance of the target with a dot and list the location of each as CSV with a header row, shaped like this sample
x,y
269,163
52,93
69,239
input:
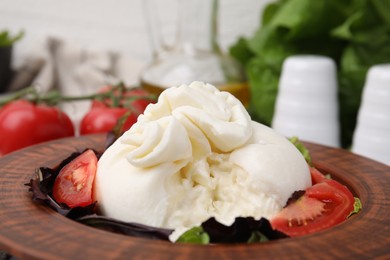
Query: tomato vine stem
x,y
54,97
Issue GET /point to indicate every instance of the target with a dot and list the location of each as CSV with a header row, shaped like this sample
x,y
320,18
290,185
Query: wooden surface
x,y
28,230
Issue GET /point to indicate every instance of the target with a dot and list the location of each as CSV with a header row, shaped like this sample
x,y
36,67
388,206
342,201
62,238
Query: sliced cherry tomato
x,y
104,114
73,185
23,123
322,206
316,176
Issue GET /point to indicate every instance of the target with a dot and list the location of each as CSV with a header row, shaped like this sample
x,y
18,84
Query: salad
x,y
195,168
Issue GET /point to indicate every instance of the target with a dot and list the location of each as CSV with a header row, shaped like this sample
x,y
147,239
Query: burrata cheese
x,y
193,155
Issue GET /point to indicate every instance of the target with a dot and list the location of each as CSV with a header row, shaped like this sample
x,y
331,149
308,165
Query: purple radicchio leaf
x,y
240,231
295,196
42,184
126,228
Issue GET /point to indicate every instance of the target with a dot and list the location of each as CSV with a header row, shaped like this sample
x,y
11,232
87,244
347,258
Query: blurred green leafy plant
x,y
355,33
7,40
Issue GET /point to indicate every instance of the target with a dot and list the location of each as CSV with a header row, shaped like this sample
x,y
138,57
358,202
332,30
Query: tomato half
x,y
322,206
73,185
23,123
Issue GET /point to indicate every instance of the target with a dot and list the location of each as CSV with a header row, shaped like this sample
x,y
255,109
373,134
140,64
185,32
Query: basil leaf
x,y
195,235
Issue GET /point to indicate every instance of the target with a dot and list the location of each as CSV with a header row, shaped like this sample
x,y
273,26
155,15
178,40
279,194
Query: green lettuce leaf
x,y
301,148
357,206
241,51
383,10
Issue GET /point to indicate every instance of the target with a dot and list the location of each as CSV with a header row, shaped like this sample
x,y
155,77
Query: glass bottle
x,y
194,54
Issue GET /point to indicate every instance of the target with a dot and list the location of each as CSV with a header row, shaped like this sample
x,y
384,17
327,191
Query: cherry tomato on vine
x,y
102,120
104,114
23,123
136,98
322,206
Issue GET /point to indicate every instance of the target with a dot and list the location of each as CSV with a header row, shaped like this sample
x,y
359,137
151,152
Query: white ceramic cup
x,y
372,134
307,103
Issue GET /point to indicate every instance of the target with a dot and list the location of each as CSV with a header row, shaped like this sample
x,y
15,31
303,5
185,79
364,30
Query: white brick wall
x,y
117,25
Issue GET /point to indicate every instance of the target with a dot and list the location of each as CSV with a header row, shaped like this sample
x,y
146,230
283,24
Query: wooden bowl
x,y
30,230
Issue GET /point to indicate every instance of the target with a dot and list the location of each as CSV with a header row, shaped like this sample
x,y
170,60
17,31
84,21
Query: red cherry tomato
x,y
23,124
73,185
104,114
324,205
102,120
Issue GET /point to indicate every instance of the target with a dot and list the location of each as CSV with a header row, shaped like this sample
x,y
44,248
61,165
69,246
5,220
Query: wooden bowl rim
x,y
30,230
